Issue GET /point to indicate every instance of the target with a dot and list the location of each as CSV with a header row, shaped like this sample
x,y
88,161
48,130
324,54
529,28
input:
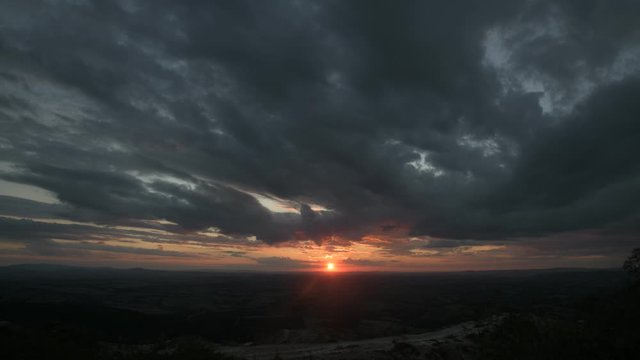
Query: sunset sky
x,y
284,135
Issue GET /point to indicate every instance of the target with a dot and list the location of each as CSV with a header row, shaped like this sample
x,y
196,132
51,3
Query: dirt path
x,y
365,349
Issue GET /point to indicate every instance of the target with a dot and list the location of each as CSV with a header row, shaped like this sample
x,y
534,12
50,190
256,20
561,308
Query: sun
x,y
331,266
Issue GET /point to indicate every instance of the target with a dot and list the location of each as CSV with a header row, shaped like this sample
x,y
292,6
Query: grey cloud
x,y
380,112
51,248
12,206
364,262
282,262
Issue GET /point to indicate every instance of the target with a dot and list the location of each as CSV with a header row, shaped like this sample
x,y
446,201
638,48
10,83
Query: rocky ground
x,y
448,343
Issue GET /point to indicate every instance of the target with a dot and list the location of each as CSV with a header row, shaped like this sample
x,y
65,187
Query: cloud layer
x,y
332,122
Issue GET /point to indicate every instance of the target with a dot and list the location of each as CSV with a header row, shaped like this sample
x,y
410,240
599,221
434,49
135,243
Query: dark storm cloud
x,y
58,238
283,262
12,206
51,248
32,231
364,262
466,120
119,196
579,174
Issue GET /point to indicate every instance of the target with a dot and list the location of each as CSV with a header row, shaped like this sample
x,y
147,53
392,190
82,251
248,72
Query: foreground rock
x,y
448,343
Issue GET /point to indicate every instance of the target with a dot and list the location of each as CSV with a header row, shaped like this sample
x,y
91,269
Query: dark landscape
x,y
71,312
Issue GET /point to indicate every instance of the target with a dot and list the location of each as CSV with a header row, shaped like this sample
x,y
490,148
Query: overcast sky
x,y
270,135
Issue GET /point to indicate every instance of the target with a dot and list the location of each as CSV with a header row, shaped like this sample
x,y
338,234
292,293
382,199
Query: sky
x,y
282,135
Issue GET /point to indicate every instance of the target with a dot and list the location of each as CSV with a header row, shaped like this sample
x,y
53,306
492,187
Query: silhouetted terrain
x,y
599,327
110,313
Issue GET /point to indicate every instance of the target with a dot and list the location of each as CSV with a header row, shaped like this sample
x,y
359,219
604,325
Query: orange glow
x,y
331,266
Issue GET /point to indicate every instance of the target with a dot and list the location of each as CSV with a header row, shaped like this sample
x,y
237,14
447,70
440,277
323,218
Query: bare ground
x,y
407,346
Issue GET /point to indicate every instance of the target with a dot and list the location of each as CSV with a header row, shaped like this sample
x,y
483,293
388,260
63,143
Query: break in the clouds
x,y
376,129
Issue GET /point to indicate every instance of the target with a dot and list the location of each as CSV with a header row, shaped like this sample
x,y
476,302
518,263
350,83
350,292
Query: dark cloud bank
x,y
470,120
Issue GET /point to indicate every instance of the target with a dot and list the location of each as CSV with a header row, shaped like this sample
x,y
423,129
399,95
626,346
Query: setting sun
x,y
330,267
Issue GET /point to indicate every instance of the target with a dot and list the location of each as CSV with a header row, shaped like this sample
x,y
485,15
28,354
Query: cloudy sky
x,y
279,135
